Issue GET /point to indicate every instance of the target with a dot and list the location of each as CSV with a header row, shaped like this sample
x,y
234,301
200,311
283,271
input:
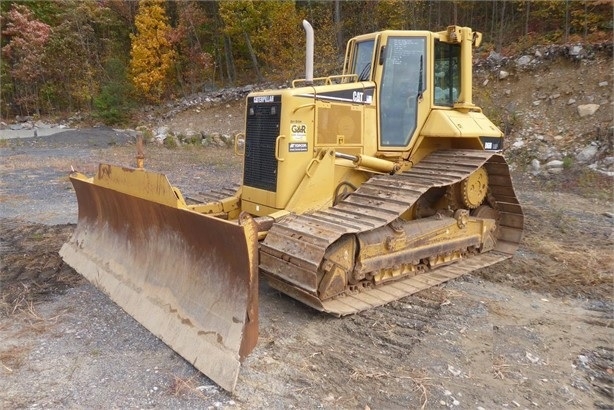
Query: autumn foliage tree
x,y
194,63
22,58
87,54
73,56
151,56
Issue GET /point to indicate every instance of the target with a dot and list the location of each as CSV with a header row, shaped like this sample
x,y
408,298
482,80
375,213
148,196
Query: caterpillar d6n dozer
x,y
358,189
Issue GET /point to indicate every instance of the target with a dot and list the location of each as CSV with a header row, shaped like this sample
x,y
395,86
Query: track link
x,y
296,245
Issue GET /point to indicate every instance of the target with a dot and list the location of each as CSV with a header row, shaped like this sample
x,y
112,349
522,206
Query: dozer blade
x,y
190,279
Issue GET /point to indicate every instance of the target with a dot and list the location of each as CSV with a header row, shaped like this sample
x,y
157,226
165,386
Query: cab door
x,y
402,82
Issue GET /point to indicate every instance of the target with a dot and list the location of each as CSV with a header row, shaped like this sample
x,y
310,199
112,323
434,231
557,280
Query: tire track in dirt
x,y
343,361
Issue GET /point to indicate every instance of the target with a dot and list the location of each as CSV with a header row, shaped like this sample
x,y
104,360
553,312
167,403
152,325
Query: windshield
x,y
403,82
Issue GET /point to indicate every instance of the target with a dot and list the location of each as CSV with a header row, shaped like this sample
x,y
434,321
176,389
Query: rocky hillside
x,y
554,103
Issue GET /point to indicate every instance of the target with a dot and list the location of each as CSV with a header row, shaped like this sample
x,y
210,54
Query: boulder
x,y
524,61
576,51
587,154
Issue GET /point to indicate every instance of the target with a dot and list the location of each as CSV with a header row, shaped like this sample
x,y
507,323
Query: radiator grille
x,y
262,130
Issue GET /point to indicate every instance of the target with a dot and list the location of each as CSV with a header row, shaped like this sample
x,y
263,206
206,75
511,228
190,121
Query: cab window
x,y
362,60
446,74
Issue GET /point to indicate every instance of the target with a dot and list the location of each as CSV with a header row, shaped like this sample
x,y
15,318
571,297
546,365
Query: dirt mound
x,y
32,271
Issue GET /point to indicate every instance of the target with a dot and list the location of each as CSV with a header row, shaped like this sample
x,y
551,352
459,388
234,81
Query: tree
x,y
74,56
279,40
112,103
327,54
152,56
23,55
194,64
240,18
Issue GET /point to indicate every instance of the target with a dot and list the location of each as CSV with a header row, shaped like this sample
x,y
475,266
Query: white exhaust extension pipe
x,y
308,52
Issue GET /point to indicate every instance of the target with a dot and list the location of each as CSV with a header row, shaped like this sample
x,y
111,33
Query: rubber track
x,y
300,241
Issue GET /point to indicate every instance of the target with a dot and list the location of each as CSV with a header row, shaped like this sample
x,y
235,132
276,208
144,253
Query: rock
x,y
587,154
494,57
485,83
571,101
455,372
547,153
219,141
535,165
524,61
518,144
162,131
587,109
16,127
576,50
25,118
508,92
555,166
189,133
503,74
536,103
228,140
532,358
603,84
538,54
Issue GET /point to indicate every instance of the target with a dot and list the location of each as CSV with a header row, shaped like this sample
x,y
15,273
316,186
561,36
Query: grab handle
x,y
277,145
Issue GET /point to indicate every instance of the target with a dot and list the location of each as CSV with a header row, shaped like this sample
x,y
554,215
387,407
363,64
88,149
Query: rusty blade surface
x,y
190,279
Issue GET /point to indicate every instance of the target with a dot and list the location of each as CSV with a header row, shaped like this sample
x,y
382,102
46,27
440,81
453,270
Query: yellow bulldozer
x,y
358,189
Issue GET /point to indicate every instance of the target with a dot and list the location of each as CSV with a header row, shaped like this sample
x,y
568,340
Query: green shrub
x,y
112,105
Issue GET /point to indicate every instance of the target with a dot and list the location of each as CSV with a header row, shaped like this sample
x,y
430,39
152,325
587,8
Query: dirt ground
x,y
535,331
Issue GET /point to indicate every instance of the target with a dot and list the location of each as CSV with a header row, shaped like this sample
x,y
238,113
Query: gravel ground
x,y
499,338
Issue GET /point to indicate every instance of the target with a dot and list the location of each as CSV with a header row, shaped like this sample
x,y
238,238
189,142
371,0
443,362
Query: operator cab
x,y
399,64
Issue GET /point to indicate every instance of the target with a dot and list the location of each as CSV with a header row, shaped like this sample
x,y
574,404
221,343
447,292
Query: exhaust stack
x,y
308,52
